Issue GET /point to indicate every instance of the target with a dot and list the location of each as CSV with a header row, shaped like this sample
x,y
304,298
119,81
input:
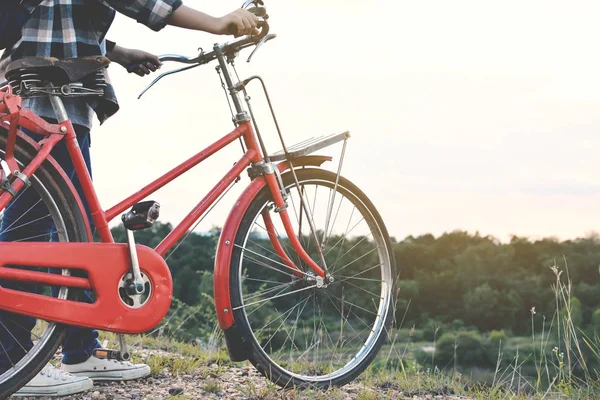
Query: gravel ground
x,y
229,382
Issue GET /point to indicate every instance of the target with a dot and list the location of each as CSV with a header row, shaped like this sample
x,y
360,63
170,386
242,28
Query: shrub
x,y
497,337
469,351
596,321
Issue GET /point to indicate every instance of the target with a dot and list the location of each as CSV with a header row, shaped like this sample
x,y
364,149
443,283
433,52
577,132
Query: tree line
x,y
457,279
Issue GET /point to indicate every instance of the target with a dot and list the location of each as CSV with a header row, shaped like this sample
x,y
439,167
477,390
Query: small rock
x,y
245,373
96,395
175,391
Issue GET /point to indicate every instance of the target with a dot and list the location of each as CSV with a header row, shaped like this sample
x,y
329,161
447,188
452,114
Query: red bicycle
x,y
304,276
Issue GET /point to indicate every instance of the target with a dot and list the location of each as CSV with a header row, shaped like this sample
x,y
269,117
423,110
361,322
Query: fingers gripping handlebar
x,y
260,12
229,49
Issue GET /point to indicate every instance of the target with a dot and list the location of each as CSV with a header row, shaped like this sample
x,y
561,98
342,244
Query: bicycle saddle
x,y
59,72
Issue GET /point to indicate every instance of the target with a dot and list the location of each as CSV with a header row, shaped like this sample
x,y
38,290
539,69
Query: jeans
x,y
15,330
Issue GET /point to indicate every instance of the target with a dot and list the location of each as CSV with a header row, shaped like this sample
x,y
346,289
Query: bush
x,y
470,350
596,321
497,337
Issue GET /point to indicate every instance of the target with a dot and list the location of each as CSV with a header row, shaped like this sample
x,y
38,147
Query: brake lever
x,y
255,2
262,41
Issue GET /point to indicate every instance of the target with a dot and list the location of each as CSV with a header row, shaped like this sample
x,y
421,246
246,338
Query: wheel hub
x,y
322,283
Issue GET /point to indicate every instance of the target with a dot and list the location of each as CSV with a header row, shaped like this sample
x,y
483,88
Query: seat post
x,y
59,108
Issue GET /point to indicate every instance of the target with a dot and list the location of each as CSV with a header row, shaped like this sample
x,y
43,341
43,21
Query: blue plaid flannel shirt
x,y
76,28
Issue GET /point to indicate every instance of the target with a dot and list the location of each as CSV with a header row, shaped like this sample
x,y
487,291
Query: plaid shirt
x,y
75,28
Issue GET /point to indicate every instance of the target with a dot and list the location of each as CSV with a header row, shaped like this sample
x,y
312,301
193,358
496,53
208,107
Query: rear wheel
x,y
300,331
53,205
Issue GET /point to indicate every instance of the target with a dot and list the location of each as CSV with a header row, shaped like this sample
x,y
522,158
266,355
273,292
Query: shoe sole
x,y
56,390
124,375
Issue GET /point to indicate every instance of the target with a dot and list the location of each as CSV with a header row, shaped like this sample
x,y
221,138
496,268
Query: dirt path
x,y
180,378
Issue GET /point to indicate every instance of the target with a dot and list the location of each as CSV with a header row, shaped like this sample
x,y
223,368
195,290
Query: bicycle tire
x,y
283,373
56,193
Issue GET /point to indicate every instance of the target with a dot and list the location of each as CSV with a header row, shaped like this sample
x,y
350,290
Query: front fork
x,y
277,191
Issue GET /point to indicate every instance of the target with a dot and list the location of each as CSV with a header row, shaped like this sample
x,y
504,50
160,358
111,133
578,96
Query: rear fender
x,y
33,149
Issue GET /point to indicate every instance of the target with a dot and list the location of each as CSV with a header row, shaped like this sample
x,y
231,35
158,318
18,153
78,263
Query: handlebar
x,y
228,49
177,58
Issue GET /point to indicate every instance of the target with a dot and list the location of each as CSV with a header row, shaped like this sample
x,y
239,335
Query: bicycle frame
x,y
107,263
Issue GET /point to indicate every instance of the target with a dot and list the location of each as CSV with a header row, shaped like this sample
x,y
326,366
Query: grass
x,y
212,386
561,356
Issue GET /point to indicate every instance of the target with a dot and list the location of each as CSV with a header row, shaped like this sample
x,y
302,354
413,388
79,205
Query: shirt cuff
x,y
161,11
109,47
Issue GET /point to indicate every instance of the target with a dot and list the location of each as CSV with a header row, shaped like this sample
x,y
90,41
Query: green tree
x,y
489,309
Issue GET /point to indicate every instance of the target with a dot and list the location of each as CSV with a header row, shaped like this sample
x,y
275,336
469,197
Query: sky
x,y
470,115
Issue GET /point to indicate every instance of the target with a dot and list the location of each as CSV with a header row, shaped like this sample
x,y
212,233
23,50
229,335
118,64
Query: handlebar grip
x,y
131,68
260,12
134,67
232,29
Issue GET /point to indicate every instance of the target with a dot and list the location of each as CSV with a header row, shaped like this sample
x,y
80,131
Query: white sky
x,y
473,115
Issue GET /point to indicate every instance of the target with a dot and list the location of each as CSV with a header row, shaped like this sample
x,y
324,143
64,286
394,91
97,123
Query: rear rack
x,y
309,146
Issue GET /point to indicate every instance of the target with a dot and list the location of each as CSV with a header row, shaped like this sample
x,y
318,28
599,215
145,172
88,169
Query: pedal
x,y
107,354
141,216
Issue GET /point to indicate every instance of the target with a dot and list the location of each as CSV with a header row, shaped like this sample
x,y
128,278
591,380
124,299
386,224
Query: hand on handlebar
x,y
238,23
137,61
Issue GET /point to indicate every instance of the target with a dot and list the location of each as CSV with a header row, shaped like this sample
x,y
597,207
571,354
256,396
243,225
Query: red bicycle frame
x,y
106,263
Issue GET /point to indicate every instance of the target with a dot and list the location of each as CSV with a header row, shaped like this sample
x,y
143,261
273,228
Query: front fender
x,y
229,232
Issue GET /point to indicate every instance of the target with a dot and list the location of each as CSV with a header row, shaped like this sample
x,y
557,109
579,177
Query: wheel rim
x,y
359,297
42,331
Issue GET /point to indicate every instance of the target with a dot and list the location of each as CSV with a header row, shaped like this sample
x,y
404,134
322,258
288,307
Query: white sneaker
x,y
101,369
54,382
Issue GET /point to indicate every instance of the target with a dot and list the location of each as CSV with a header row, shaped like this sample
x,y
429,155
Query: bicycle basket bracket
x,y
309,146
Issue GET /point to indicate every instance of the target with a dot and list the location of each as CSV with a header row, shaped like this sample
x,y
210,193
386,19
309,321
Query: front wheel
x,y
302,331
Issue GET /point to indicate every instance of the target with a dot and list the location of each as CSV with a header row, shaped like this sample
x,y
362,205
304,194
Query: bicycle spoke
x,y
346,233
13,336
365,290
267,265
351,248
25,213
298,217
356,259
342,315
264,248
25,224
334,221
6,353
266,291
345,278
354,305
264,303
36,236
260,280
287,246
282,323
22,327
276,296
300,311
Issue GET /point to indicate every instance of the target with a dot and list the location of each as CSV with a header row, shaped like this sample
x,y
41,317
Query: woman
x,y
70,29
